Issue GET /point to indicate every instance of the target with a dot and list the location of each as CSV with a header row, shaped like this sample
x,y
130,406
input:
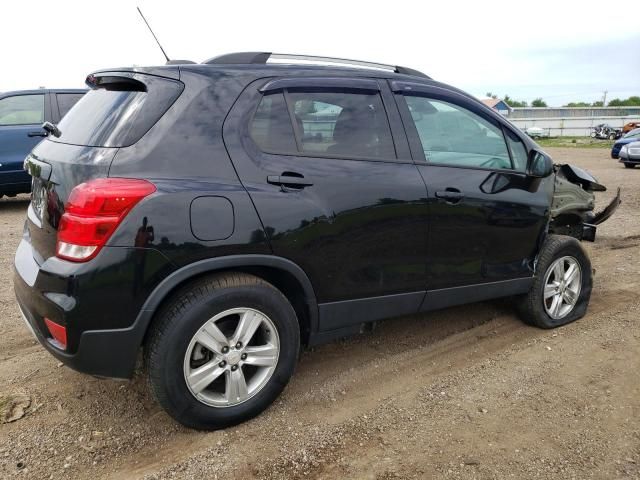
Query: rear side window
x,y
325,123
22,110
66,101
453,135
118,111
271,127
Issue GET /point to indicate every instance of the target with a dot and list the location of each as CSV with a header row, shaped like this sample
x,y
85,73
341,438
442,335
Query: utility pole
x,y
604,98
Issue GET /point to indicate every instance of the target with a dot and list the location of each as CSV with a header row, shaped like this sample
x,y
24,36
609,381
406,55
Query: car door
x,y
486,215
327,166
21,117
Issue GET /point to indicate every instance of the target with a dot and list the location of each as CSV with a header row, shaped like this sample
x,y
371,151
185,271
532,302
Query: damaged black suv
x,y
219,216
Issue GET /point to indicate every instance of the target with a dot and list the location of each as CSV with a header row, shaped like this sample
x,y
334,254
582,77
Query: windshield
x,y
117,112
633,133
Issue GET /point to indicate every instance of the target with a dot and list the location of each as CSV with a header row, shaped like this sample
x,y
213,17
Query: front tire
x,y
562,284
629,165
221,350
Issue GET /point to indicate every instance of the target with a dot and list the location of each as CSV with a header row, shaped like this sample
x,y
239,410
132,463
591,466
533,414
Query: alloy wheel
x,y
562,285
231,357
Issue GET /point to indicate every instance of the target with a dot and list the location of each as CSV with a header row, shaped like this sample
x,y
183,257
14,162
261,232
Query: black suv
x,y
219,216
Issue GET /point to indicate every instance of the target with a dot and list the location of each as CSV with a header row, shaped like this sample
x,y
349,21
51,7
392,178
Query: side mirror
x,y
539,165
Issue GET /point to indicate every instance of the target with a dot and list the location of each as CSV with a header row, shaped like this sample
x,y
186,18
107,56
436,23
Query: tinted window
x,y
518,151
453,135
118,111
22,110
271,127
66,101
342,124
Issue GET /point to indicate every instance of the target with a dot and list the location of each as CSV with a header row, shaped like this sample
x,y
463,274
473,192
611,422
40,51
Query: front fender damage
x,y
574,201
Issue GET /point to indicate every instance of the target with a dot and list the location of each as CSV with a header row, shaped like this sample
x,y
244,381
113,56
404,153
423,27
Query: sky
x,y
561,51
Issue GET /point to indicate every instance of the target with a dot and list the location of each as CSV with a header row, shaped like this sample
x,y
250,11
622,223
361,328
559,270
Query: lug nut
x,y
243,356
222,364
225,349
234,367
239,345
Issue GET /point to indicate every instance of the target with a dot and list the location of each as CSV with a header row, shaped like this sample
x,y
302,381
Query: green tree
x,y
597,104
629,102
514,103
491,95
538,102
578,104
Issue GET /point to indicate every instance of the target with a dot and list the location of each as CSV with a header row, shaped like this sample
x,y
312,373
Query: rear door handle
x,y
288,180
38,133
450,195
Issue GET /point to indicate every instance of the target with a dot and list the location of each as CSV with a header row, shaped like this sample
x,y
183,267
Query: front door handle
x,y
38,133
450,195
288,179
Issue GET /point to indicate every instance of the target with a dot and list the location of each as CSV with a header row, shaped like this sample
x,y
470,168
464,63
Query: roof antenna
x,y
154,35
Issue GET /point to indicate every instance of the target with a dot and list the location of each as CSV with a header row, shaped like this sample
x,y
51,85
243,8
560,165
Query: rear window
x,y
118,110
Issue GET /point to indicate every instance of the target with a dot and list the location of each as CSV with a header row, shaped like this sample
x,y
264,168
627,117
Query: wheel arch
x,y
282,273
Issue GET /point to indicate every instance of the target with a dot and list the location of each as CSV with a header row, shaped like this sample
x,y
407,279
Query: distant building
x,y
497,104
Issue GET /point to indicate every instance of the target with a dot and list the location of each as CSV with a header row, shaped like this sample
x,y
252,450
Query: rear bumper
x,y
107,353
103,336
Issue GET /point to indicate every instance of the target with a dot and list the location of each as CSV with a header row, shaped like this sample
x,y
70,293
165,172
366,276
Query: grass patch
x,y
576,142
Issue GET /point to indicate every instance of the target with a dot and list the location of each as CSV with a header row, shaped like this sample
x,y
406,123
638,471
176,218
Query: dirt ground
x,y
468,392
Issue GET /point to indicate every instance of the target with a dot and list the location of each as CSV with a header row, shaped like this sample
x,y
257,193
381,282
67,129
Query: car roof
x,y
279,69
635,131
269,69
264,70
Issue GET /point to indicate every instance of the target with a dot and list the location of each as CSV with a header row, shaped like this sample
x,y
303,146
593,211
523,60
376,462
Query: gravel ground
x,y
467,392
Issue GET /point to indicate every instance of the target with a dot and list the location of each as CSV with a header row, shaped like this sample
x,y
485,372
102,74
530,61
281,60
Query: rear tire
x,y
563,274
212,310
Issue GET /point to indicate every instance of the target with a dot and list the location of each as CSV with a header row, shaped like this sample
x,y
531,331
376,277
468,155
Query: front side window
x,y
452,135
22,110
326,123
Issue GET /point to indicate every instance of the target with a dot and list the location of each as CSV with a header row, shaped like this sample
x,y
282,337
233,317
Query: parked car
x,y
537,132
605,132
632,136
630,126
630,154
22,114
220,216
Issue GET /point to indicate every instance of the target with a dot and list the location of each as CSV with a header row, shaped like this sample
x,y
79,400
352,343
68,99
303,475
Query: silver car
x,y
630,154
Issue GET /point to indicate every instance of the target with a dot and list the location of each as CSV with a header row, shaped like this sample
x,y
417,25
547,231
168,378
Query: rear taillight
x,y
93,212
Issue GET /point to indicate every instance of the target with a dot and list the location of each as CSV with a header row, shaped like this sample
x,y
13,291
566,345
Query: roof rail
x,y
243,58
